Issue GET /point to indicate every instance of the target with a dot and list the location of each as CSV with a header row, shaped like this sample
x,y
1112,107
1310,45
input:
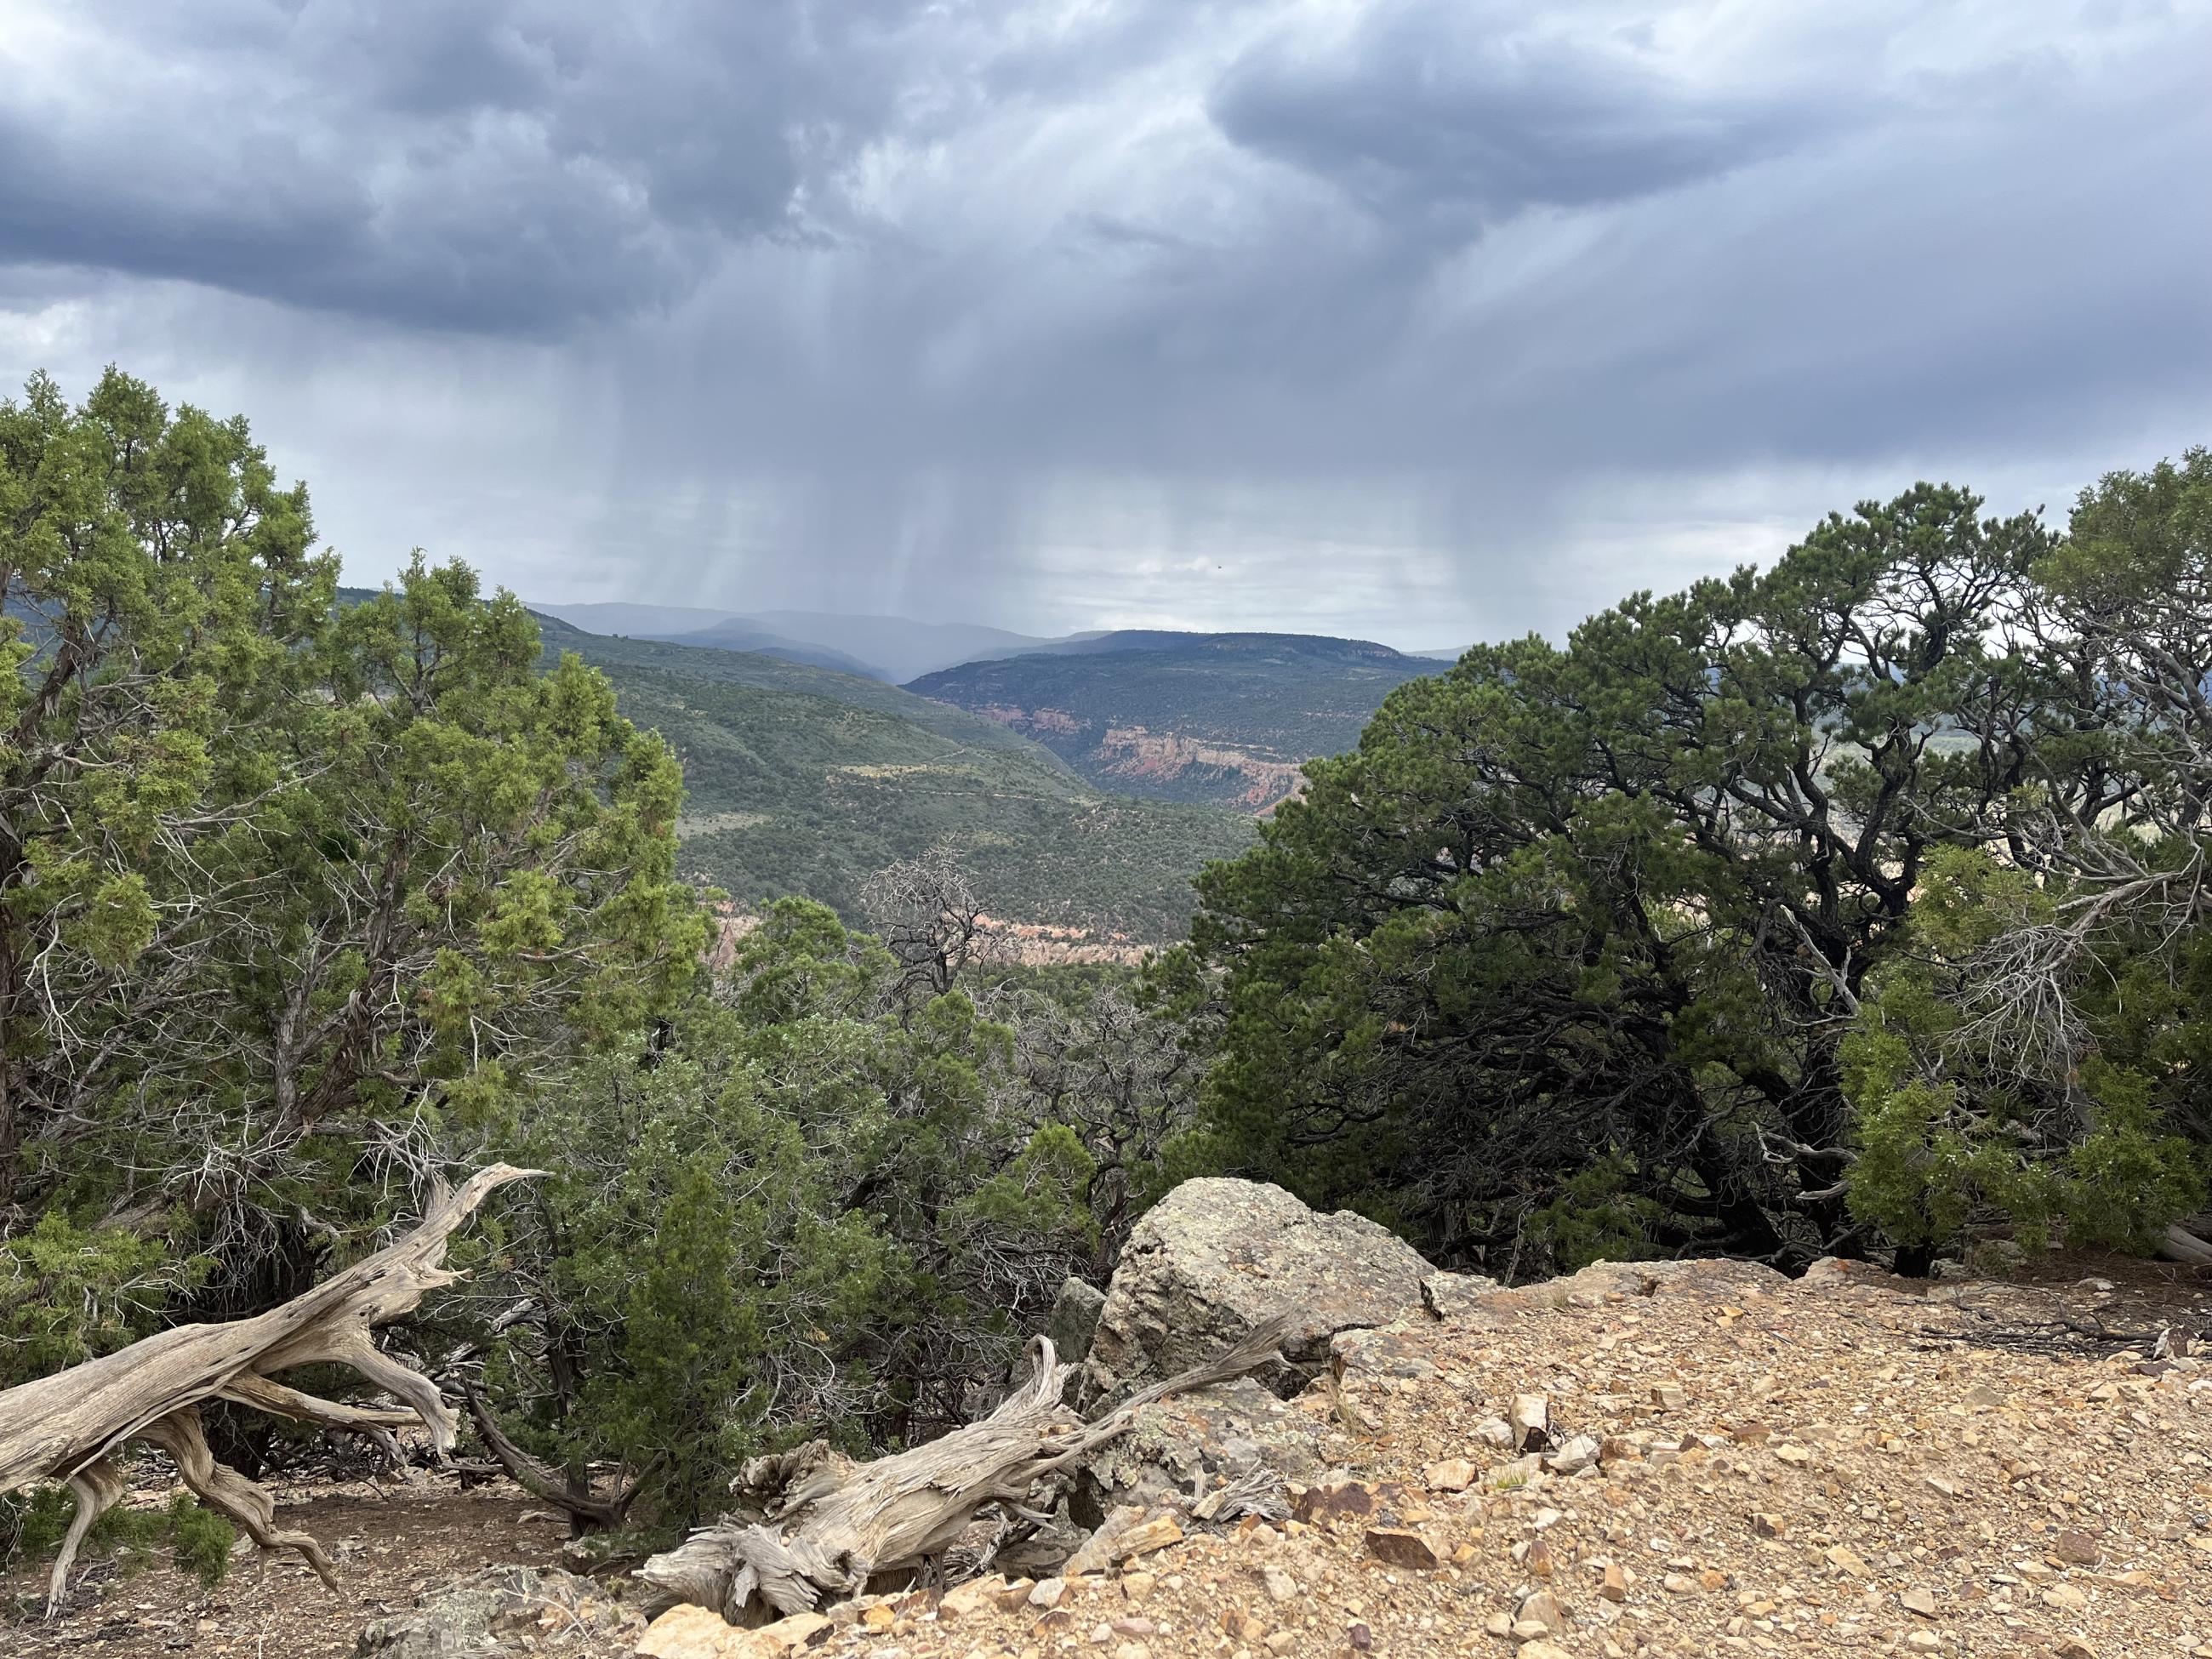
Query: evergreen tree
x,y
295,902
1568,954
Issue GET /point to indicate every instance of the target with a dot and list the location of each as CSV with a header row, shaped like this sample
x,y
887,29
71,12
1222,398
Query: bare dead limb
x,y
97,1488
373,1423
832,1524
535,1478
224,1490
67,1426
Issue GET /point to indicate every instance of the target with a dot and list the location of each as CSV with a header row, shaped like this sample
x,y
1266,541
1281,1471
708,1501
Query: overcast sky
x,y
1417,320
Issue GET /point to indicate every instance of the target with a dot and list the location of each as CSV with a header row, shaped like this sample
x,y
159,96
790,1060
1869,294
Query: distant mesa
x,y
893,649
1228,720
1223,720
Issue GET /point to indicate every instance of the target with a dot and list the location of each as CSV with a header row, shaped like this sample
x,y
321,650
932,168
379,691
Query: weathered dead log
x,y
67,1426
604,1511
832,1524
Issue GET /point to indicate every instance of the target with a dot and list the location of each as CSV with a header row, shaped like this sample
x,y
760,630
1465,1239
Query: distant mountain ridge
x,y
902,648
1175,639
1228,719
728,632
893,649
802,779
896,649
1221,719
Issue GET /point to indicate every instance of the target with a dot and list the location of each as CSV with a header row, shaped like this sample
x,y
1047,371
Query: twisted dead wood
x,y
605,1509
832,1524
66,1427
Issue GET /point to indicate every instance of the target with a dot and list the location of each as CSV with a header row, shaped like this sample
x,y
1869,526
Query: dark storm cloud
x,y
1449,106
507,167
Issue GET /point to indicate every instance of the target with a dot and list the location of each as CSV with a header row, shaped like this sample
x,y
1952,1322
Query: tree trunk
x,y
2178,1244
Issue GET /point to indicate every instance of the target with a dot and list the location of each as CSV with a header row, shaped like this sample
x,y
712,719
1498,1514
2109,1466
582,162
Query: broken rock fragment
x,y
1125,1533
1531,1421
1454,1295
1574,1455
1453,1474
1401,1546
2078,1546
1544,1612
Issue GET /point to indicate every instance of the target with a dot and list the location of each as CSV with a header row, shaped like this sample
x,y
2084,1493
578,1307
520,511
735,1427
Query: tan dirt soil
x,y
387,1548
1959,1448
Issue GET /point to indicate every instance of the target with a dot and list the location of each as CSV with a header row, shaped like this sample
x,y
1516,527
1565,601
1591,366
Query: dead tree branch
x,y
603,1510
833,1524
67,1426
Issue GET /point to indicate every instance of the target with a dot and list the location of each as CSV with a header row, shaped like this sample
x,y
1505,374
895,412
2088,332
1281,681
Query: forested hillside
x,y
1223,718
764,672
801,780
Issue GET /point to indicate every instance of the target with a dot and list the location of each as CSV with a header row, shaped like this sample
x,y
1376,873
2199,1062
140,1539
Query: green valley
x,y
803,781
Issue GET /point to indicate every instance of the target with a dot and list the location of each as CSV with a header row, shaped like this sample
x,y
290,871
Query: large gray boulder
x,y
1215,1257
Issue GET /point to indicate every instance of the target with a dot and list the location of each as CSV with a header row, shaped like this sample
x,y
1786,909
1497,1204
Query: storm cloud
x,y
502,167
1416,319
1439,106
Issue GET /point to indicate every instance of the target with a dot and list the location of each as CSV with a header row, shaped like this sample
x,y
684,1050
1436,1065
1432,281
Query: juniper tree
x,y
1581,930
890,1215
293,900
2037,1058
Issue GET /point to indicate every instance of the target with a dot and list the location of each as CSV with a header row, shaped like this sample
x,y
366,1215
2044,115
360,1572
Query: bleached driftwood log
x,y
831,1524
68,1426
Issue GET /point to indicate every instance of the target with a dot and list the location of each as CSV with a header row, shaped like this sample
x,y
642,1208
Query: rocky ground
x,y
1686,1459
1759,1466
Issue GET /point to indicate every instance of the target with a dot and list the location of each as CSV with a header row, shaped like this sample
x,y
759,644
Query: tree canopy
x,y
1570,956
